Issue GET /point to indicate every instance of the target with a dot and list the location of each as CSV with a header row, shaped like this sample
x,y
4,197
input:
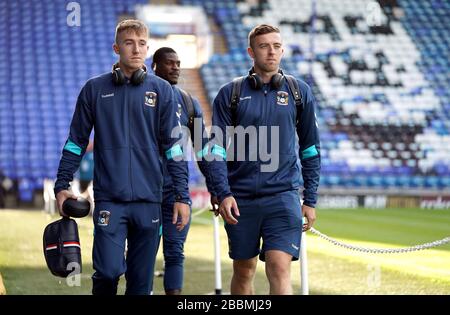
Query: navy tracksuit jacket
x,y
168,188
133,126
268,107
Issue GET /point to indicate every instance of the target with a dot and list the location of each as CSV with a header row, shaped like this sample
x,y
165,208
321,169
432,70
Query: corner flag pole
x,y
217,265
304,266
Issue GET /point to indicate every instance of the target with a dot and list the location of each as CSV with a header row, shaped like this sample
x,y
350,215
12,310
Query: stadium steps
x,y
163,2
219,44
191,81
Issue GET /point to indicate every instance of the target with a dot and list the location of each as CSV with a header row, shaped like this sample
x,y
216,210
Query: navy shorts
x,y
276,219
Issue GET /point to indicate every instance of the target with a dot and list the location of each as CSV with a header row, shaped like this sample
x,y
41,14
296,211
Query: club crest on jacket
x,y
150,98
282,98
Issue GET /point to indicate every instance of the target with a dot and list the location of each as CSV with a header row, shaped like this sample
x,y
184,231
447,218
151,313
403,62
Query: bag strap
x,y
187,99
235,95
295,90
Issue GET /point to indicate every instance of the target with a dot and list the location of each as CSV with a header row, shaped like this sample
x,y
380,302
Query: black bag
x,y
62,247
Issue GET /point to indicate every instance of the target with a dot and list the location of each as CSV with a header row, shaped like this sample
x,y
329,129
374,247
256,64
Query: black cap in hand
x,y
78,208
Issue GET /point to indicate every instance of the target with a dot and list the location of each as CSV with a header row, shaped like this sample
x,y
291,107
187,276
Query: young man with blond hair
x,y
133,113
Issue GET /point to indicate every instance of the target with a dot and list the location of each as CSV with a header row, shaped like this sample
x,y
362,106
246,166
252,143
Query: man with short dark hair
x,y
134,114
269,205
166,65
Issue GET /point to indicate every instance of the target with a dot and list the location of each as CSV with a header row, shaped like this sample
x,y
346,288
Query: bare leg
x,y
243,274
278,271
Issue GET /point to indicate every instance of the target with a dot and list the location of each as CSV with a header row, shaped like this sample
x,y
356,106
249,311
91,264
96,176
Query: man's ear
x,y
250,52
116,48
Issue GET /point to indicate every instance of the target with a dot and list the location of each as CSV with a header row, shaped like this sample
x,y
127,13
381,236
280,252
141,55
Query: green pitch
x,y
332,270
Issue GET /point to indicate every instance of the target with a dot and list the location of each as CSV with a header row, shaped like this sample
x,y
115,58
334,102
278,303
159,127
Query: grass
x,y
332,270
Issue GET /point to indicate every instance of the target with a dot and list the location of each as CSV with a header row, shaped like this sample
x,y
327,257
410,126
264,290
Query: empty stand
x,y
382,89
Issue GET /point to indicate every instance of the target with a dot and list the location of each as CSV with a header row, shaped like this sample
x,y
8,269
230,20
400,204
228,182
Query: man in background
x,y
166,65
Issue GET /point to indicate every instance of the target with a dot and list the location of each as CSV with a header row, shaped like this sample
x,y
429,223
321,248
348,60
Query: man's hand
x,y
215,205
310,215
182,211
225,208
61,197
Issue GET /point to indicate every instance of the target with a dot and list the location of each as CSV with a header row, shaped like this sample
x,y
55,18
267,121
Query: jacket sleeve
x,y
220,120
78,140
309,142
170,139
202,150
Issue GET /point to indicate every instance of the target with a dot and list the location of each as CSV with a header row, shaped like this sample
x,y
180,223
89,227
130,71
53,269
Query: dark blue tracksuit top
x,y
133,126
267,107
202,148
